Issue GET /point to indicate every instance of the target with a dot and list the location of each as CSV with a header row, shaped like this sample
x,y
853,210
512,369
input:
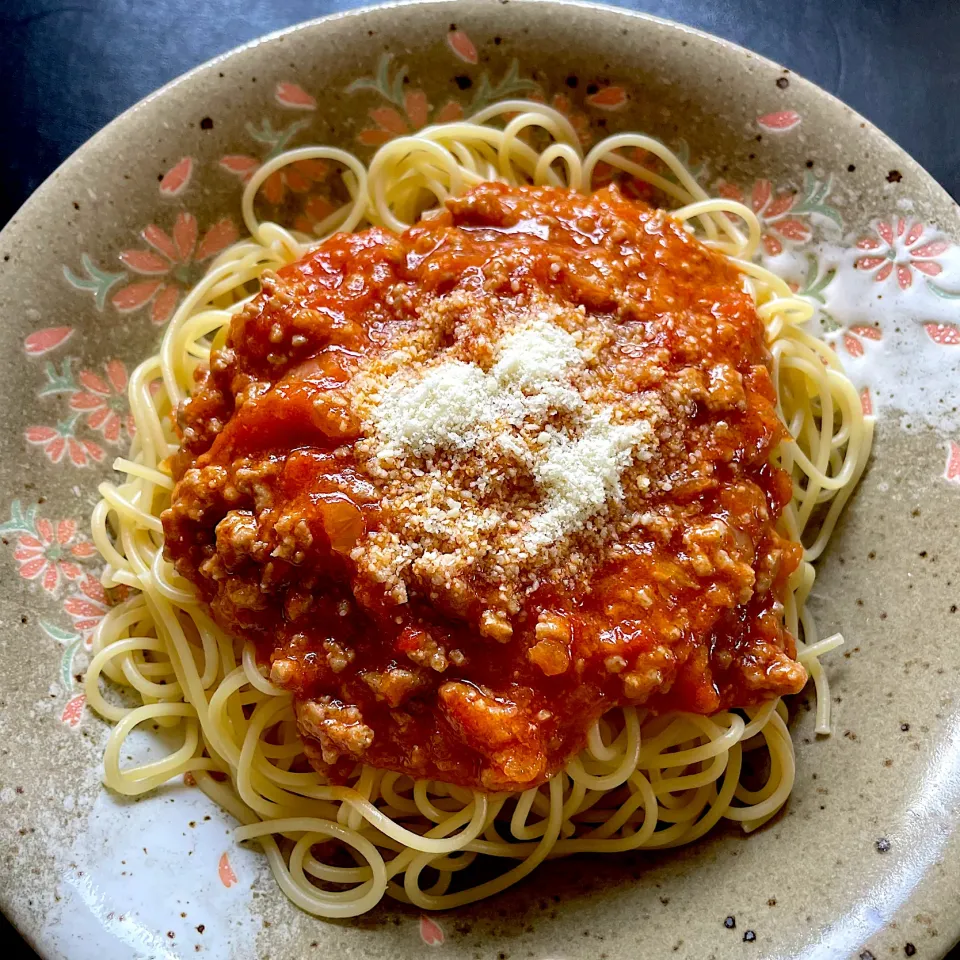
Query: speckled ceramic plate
x,y
864,862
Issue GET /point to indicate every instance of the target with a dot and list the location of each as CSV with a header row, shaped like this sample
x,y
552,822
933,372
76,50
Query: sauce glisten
x,y
679,609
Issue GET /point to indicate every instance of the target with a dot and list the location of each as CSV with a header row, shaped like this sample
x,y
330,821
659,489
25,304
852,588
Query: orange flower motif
x,y
854,337
773,211
73,711
390,122
292,95
171,256
226,872
43,341
89,604
604,174
316,209
462,46
952,471
607,98
298,178
900,247
104,401
45,555
62,440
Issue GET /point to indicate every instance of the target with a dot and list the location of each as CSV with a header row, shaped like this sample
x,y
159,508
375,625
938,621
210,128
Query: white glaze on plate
x,y
138,866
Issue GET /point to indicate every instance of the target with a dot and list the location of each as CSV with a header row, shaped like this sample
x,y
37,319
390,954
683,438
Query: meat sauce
x,y
672,598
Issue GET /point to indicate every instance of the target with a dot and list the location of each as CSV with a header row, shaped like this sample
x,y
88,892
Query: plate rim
x,y
378,9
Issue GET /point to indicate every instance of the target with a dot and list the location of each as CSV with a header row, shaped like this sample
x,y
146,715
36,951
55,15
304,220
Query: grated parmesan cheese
x,y
446,409
536,354
455,406
580,476
525,409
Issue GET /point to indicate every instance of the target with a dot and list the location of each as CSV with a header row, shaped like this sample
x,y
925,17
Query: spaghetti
x,y
643,781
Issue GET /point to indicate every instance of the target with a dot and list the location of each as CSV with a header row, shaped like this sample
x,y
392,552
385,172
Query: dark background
x,y
66,69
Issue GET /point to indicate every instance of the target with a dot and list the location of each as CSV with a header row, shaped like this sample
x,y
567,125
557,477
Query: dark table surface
x,y
68,68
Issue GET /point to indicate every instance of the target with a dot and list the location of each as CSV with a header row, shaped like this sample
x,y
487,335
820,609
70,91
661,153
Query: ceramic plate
x,y
864,862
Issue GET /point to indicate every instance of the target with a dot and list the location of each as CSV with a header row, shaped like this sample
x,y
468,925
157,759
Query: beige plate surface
x,y
866,859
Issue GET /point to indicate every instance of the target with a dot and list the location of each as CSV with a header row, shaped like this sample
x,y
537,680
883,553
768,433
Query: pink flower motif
x,y
773,212
292,95
853,338
578,120
633,187
43,341
225,871
316,209
853,346
779,121
900,248
866,402
952,471
73,711
175,180
449,112
608,98
390,122
104,401
61,440
299,178
431,933
87,606
46,556
240,165
946,334
296,177
171,257
462,46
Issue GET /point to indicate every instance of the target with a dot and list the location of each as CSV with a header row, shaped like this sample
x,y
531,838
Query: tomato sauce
x,y
674,602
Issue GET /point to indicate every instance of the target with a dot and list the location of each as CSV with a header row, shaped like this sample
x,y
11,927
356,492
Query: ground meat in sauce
x,y
417,647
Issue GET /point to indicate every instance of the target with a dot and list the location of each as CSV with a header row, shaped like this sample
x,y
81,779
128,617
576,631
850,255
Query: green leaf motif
x,y
396,87
97,281
59,634
390,82
21,521
276,140
941,293
59,381
511,85
390,88
813,283
68,427
815,193
66,663
828,323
